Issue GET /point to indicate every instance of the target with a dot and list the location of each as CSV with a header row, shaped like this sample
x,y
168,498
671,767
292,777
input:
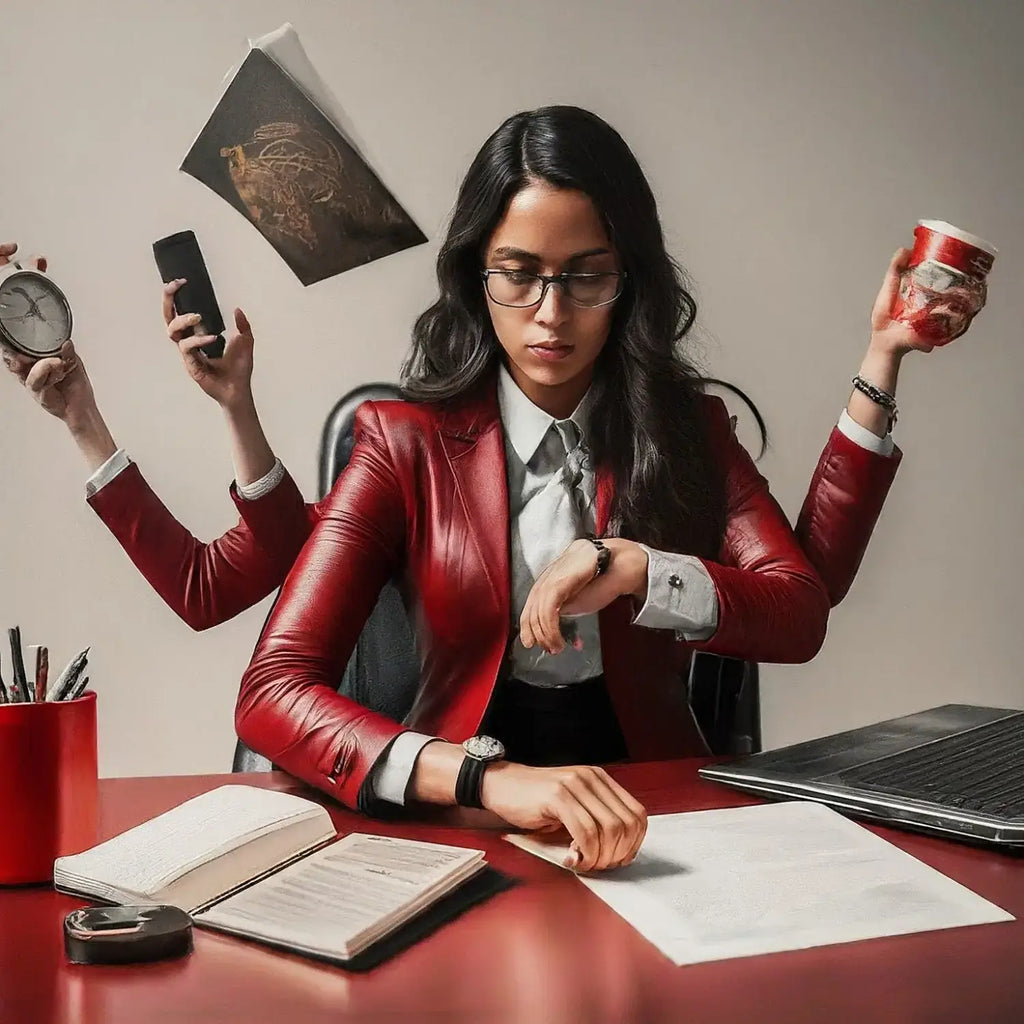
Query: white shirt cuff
x,y
680,595
864,437
390,776
264,485
115,464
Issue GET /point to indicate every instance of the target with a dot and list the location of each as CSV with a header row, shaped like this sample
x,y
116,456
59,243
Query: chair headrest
x,y
337,439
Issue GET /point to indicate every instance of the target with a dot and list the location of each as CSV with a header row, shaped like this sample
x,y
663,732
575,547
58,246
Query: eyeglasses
x,y
519,289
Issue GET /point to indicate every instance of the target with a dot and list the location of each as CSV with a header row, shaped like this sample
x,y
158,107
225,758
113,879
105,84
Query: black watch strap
x,y
467,785
604,556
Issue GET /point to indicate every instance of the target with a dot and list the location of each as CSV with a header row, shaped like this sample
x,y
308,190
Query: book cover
x,y
270,152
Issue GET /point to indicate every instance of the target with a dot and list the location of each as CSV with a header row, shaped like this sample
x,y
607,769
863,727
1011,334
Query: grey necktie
x,y
576,463
551,520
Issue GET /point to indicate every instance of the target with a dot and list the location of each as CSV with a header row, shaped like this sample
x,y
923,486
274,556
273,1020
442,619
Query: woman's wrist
x,y
629,561
239,407
881,364
251,454
92,436
435,773
881,367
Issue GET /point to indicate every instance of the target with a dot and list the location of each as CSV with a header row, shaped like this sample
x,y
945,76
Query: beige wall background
x,y
793,146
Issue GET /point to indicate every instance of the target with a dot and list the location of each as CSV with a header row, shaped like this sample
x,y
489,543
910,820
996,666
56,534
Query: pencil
x,y
42,670
19,685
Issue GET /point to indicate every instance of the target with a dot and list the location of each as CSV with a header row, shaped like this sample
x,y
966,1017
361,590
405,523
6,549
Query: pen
x,y
78,689
42,672
19,685
68,677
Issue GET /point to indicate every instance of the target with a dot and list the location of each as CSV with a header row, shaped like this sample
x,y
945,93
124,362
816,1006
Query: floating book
x,y
273,154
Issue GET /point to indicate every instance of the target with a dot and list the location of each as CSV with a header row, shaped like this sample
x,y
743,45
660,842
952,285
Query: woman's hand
x,y
568,587
891,337
227,380
607,824
58,383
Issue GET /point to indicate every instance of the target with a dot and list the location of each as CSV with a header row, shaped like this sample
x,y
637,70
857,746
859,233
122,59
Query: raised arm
x,y
204,584
859,462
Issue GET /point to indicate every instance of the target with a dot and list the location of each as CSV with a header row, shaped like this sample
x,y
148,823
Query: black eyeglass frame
x,y
559,279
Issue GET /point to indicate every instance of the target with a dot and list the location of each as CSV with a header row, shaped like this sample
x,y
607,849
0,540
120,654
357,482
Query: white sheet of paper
x,y
710,885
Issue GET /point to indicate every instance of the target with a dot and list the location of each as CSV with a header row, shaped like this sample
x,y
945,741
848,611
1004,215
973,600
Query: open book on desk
x,y
261,864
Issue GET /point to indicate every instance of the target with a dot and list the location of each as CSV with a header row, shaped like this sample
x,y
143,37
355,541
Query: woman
x,y
649,304
548,401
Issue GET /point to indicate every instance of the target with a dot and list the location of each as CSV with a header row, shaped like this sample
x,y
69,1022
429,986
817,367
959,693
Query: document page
x,y
342,898
709,885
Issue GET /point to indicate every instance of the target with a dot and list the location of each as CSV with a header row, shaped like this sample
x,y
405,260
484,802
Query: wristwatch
x,y
480,752
604,556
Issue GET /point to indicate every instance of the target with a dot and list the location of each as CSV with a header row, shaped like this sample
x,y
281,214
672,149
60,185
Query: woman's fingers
x,y
242,324
7,250
179,326
615,835
606,829
580,824
44,374
169,291
190,349
880,315
526,637
548,636
18,364
627,807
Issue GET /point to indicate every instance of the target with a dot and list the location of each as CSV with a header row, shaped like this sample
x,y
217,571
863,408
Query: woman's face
x,y
551,347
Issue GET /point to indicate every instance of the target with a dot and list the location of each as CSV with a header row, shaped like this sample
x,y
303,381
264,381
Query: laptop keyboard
x,y
981,770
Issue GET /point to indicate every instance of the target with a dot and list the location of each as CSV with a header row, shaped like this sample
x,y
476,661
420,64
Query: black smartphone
x,y
179,255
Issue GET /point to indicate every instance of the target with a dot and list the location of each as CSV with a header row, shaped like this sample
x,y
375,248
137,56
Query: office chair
x,y
726,702
383,672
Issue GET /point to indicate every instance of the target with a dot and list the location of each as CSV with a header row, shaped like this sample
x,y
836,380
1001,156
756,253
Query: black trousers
x,y
573,724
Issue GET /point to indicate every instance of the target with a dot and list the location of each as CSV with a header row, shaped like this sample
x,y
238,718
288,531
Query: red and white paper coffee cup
x,y
944,285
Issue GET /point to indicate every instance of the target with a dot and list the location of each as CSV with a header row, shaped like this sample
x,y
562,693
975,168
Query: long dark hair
x,y
646,423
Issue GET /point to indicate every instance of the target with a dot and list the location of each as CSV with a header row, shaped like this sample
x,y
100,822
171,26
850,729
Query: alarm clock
x,y
35,317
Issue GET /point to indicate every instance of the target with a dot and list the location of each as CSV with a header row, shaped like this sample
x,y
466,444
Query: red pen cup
x,y
48,785
944,287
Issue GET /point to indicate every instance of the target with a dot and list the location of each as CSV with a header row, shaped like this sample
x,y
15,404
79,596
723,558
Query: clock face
x,y
35,318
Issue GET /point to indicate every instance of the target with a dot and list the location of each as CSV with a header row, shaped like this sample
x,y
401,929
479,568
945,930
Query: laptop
x,y
955,771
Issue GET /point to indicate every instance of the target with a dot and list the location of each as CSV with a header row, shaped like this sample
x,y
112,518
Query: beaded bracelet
x,y
879,397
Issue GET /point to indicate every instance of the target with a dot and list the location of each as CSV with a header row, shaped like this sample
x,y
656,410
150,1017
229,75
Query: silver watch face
x,y
35,318
484,748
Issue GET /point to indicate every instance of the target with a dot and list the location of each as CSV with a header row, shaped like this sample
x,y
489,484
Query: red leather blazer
x,y
208,583
425,495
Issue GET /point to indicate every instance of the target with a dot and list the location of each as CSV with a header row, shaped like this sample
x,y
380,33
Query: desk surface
x,y
546,951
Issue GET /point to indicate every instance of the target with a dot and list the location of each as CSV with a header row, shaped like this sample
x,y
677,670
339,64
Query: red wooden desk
x,y
546,951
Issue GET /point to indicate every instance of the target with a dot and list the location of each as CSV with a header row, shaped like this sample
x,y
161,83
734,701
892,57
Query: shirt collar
x,y
525,424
